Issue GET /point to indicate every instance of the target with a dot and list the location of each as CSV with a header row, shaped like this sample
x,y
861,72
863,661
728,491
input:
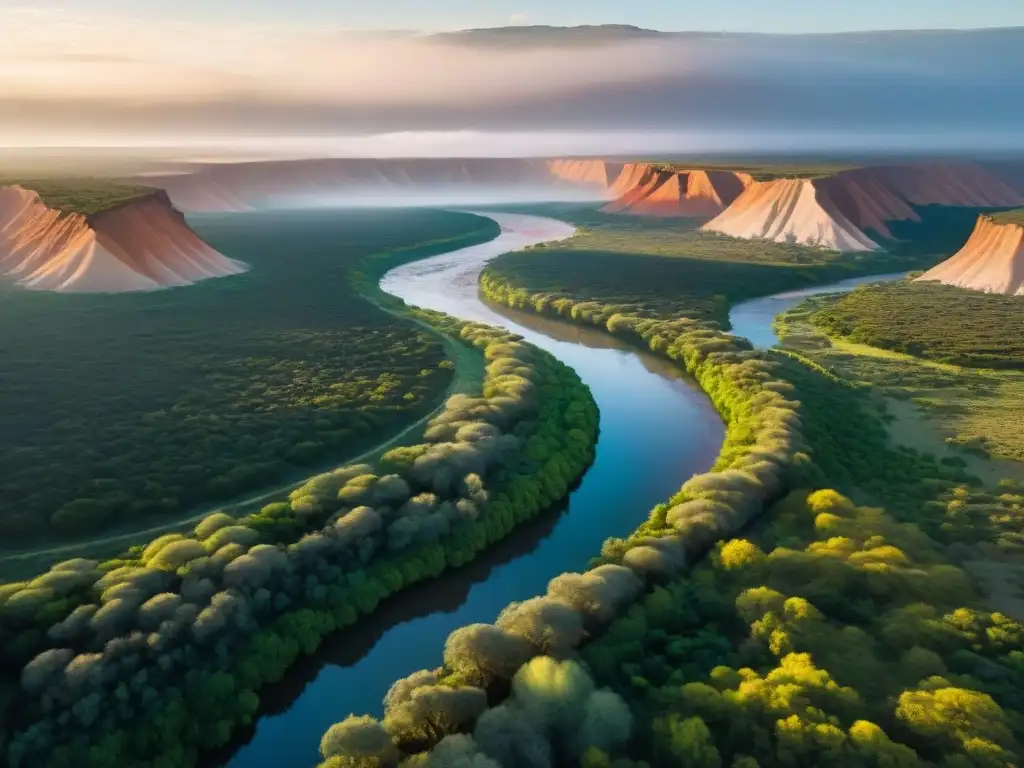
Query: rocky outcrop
x,y
790,211
992,260
599,174
865,200
839,211
696,194
143,245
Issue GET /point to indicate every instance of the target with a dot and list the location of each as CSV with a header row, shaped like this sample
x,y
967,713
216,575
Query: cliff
x,y
240,186
838,211
142,245
790,211
598,174
692,194
991,261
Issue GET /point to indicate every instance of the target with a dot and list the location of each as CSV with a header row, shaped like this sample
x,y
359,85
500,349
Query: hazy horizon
x,y
195,85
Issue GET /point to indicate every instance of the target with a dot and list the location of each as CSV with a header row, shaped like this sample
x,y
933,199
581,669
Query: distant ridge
x,y
541,35
598,34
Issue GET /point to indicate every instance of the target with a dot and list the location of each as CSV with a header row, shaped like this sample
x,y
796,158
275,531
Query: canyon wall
x,y
646,190
790,211
143,245
850,210
992,260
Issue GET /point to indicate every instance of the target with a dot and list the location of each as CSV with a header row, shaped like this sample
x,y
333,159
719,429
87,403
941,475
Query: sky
x,y
117,72
675,15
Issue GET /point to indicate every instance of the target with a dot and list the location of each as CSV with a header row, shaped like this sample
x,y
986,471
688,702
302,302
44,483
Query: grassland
x,y
128,408
84,195
946,409
770,171
933,321
656,267
1016,216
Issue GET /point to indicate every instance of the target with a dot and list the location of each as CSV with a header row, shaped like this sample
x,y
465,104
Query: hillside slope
x,y
992,260
649,191
142,245
790,211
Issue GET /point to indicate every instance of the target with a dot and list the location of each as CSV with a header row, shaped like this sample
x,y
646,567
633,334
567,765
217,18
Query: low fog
x,y
434,196
65,80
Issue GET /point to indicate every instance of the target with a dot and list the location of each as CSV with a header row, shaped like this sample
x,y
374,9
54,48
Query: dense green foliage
x,y
150,659
80,195
837,634
761,457
660,268
834,634
125,407
931,320
931,406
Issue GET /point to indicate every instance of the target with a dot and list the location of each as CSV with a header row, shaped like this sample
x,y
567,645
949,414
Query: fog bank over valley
x,y
521,91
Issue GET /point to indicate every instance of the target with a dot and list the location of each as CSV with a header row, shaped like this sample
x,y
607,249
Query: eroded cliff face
x,y
790,211
142,246
599,174
967,185
695,194
992,260
241,186
847,211
869,196
850,210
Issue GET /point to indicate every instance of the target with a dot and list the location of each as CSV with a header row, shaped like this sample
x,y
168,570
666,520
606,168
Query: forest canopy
x,y
125,407
844,628
668,268
932,321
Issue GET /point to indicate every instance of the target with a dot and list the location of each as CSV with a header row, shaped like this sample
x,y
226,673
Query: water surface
x,y
657,429
753,319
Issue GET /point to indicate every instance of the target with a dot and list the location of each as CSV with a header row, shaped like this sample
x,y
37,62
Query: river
x,y
657,429
754,319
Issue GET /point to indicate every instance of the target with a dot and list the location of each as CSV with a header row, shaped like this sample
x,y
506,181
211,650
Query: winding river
x,y
754,318
657,429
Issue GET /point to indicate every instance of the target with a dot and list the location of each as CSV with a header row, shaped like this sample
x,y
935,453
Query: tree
x,y
952,717
685,741
359,742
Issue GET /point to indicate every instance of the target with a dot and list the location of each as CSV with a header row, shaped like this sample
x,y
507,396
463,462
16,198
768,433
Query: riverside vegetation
x,y
665,267
828,632
153,657
934,406
930,320
124,408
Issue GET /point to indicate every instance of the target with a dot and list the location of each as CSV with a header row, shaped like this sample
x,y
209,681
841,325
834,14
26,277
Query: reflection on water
x,y
657,429
753,319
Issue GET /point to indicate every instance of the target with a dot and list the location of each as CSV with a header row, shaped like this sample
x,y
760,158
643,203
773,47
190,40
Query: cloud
x,y
49,54
518,18
94,73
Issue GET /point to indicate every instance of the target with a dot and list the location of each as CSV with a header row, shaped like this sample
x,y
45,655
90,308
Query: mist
x,y
199,92
432,196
